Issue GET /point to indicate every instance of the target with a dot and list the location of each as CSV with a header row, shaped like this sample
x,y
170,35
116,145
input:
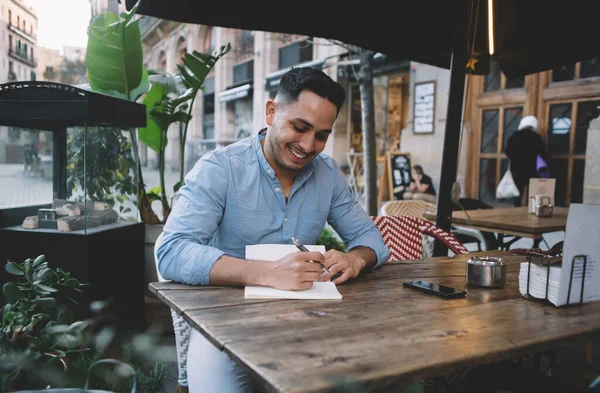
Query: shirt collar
x,y
302,175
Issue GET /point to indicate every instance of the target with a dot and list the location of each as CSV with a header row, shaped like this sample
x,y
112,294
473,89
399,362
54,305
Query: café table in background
x,y
512,221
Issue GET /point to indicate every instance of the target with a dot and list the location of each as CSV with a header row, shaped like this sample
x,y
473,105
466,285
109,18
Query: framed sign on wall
x,y
424,108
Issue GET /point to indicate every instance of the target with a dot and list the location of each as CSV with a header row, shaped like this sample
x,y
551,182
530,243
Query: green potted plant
x,y
166,106
115,66
43,344
108,175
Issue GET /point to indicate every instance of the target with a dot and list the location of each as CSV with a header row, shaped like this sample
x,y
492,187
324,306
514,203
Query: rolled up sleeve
x,y
353,224
184,255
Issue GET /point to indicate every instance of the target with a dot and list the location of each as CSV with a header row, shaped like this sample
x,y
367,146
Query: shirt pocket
x,y
311,225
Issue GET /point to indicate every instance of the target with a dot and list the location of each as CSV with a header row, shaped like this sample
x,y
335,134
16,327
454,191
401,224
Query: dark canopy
x,y
530,35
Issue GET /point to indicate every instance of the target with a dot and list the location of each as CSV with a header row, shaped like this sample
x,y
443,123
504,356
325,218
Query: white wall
x,y
427,149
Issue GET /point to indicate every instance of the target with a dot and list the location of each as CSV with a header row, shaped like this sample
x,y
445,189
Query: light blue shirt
x,y
232,198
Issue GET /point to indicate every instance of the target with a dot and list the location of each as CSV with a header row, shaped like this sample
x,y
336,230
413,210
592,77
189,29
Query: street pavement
x,y
20,188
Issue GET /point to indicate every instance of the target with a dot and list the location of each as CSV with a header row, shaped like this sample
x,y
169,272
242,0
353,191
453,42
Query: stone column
x,y
260,71
591,182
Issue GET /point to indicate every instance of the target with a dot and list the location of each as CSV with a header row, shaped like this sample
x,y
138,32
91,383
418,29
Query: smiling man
x,y
265,189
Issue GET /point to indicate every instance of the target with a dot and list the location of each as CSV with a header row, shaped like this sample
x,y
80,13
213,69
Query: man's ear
x,y
271,108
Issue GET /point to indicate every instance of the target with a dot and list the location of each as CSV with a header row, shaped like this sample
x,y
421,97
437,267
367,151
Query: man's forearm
x,y
239,272
366,254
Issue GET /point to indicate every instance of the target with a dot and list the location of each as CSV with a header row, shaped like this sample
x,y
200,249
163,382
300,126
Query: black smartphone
x,y
436,289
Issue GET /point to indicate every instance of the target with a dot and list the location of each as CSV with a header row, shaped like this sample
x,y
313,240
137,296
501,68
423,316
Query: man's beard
x,y
278,153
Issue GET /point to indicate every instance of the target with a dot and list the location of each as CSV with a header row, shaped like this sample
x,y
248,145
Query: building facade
x,y
18,41
410,106
49,63
18,62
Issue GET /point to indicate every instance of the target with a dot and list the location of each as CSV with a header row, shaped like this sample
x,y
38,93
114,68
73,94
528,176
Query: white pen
x,y
301,247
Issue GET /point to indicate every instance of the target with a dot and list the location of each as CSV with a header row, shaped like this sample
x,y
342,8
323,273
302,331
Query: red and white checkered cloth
x,y
403,235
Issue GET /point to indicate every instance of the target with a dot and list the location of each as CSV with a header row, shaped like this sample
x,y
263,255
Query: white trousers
x,y
211,370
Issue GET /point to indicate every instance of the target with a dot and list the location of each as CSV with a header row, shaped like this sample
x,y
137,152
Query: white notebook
x,y
273,252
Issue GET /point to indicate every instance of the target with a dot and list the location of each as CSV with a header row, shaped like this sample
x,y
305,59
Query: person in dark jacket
x,y
522,150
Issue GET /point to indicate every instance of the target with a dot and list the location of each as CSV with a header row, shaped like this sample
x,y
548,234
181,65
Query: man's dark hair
x,y
418,169
298,79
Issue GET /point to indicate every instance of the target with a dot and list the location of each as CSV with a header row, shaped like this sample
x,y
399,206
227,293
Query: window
x,y
244,49
243,72
162,61
495,80
568,126
296,53
208,45
181,50
9,17
590,68
564,73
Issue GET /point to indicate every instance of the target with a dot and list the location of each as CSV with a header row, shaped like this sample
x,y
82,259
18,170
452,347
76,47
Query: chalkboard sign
x,y
399,178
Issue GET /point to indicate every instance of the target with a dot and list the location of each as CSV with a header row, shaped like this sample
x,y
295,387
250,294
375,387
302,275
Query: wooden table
x,y
515,221
380,333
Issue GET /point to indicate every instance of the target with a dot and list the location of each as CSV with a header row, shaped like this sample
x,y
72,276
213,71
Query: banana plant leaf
x,y
168,92
151,134
114,56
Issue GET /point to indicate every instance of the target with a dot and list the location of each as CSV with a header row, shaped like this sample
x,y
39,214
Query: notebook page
x,y
273,252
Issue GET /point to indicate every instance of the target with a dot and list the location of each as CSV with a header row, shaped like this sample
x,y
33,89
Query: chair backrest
x,y
411,208
157,244
403,235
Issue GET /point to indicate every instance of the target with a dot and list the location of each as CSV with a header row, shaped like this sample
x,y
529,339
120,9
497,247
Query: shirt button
x,y
285,219
269,171
277,189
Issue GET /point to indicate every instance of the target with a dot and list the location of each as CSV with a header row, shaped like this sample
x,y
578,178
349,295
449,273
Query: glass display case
x,y
72,193
78,148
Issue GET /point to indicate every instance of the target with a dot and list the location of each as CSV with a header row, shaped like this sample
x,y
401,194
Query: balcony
x,y
22,32
22,56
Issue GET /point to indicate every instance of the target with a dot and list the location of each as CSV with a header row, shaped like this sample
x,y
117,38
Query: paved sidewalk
x,y
20,188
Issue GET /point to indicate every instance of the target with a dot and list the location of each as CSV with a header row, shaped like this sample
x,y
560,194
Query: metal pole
x,y
368,121
59,163
453,124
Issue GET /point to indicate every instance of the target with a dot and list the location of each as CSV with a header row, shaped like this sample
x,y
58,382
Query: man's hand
x,y
294,271
349,264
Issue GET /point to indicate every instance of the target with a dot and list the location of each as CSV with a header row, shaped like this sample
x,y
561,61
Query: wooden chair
x,y
182,333
403,235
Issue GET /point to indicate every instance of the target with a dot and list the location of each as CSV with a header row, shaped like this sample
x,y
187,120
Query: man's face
x,y
299,130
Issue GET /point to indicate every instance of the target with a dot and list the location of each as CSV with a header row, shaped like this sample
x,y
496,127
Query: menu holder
x,y
548,258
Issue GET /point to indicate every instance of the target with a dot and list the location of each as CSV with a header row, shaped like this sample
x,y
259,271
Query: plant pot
x,y
151,234
156,312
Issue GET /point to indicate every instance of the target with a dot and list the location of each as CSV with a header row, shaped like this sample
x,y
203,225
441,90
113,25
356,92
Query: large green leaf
x,y
114,56
151,134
